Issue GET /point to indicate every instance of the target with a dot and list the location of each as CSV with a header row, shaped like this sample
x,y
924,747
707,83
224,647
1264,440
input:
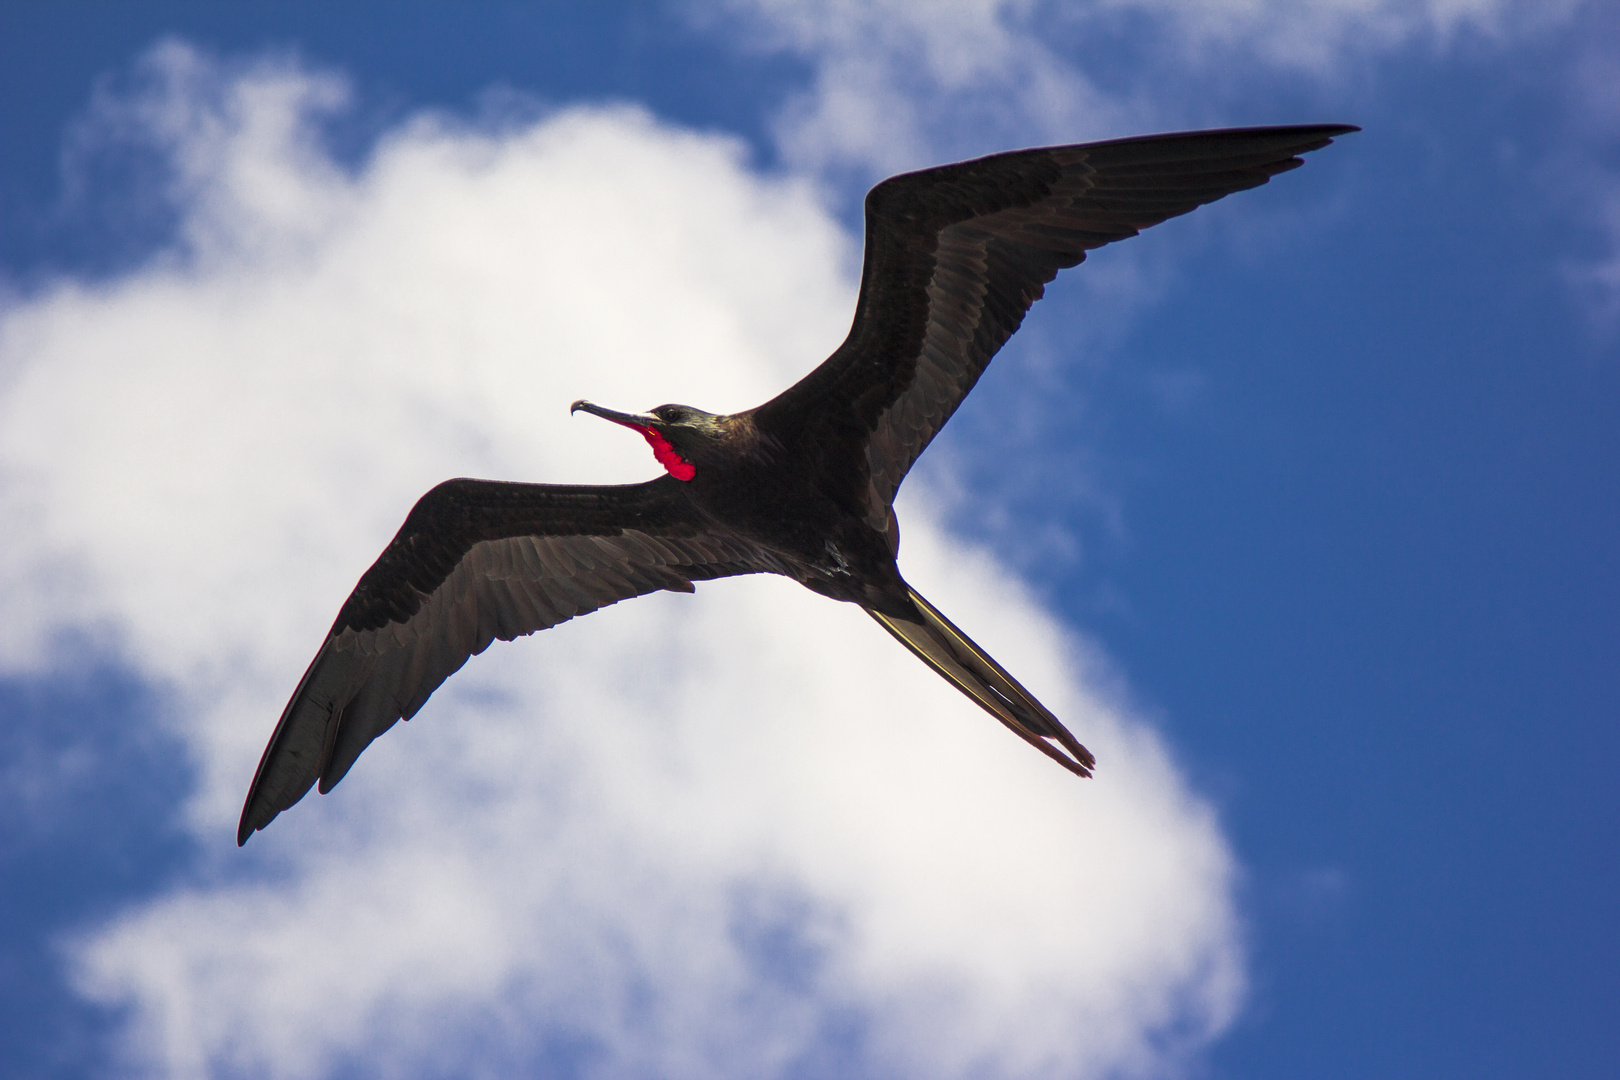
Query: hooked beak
x,y
639,421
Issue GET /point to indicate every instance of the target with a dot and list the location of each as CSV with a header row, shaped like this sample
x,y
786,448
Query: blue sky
x,y
1300,510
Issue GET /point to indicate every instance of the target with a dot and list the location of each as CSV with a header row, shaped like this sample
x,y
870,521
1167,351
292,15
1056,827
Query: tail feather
x,y
938,643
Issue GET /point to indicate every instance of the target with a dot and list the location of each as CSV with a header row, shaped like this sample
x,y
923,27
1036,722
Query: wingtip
x,y
1316,137
247,826
1331,131
1326,133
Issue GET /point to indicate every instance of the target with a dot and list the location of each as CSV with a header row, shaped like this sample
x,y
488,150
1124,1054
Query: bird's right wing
x,y
477,560
956,255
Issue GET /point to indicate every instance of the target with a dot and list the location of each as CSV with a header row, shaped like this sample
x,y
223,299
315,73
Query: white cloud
x,y
616,835
899,84
1320,35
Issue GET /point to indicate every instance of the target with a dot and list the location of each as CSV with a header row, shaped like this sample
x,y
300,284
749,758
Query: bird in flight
x,y
801,486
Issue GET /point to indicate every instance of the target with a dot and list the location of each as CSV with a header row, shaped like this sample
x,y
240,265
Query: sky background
x,y
1299,510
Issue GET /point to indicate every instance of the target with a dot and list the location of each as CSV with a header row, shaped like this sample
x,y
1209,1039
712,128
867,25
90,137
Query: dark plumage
x,y
800,486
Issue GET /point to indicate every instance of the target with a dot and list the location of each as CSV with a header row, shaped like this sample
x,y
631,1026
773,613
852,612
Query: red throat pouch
x,y
677,466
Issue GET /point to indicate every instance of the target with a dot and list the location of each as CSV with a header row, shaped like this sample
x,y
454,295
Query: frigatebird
x,y
801,486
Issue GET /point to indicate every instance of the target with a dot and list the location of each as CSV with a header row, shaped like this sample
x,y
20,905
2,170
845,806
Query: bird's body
x,y
801,486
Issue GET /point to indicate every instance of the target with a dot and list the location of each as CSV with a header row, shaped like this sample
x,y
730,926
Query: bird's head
x,y
678,434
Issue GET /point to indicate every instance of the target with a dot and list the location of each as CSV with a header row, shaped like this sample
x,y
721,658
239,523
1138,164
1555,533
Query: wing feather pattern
x,y
955,257
477,561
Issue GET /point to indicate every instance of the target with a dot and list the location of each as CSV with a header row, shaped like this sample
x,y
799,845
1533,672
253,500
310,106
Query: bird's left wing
x,y
477,560
956,255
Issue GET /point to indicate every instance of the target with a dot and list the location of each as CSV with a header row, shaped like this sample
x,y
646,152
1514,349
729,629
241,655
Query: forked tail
x,y
938,643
